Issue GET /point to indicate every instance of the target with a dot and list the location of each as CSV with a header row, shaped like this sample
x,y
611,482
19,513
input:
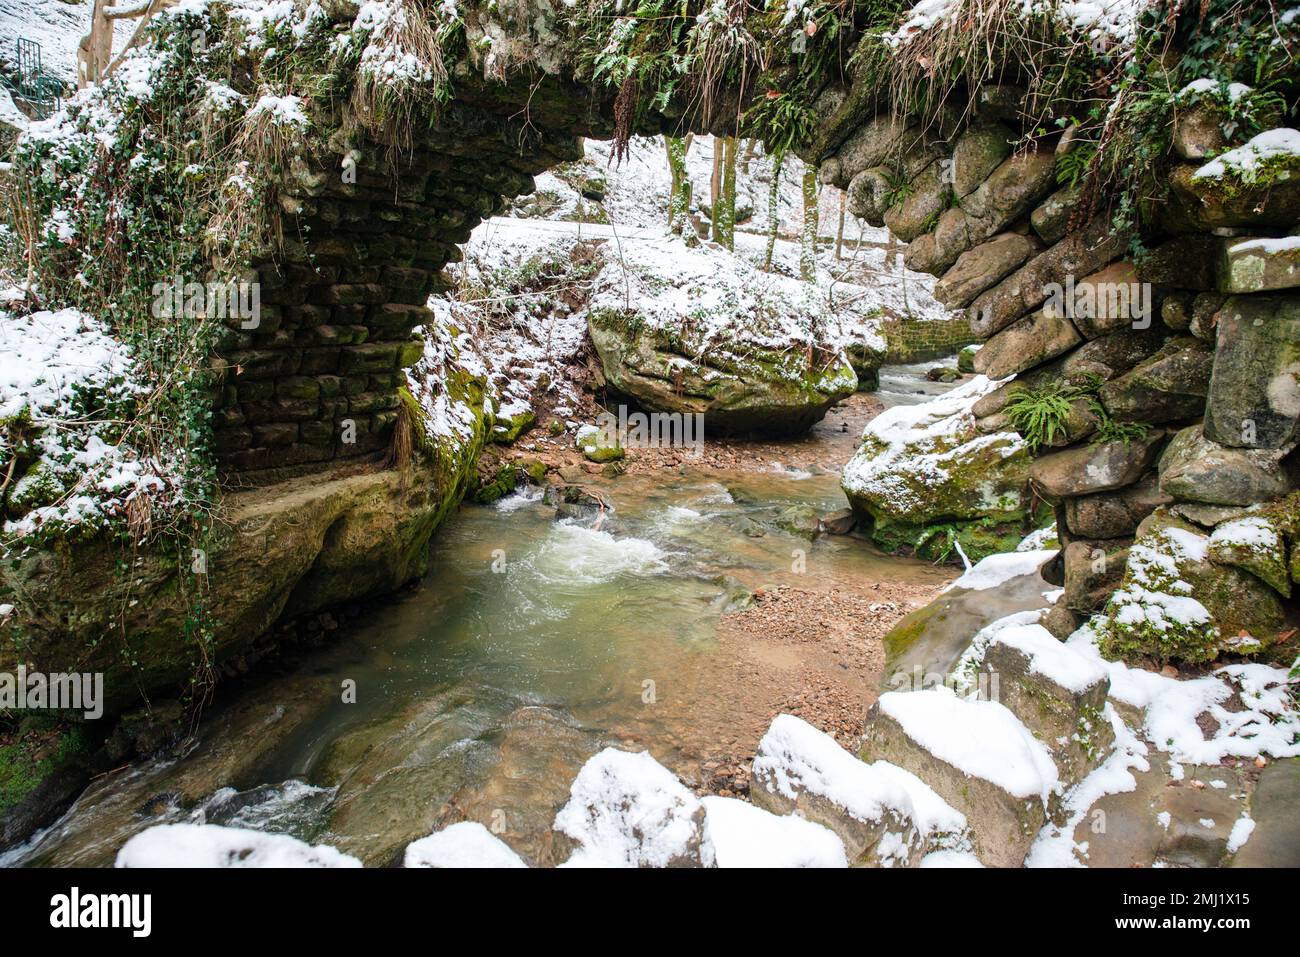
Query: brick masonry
x,y
910,340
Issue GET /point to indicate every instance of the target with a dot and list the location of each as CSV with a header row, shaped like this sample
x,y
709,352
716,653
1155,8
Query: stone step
x,y
977,756
884,815
1056,693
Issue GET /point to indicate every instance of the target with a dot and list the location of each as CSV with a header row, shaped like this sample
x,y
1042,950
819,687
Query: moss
x,y
503,482
33,752
509,428
938,541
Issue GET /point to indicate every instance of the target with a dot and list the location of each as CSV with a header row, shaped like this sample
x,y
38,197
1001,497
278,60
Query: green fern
x,y
1108,430
1040,415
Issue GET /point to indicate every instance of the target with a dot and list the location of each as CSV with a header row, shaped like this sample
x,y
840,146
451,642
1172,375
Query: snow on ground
x,y
448,415
636,202
467,844
58,26
527,288
211,845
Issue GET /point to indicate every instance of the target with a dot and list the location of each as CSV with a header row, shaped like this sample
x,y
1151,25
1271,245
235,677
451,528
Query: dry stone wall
x,y
1183,361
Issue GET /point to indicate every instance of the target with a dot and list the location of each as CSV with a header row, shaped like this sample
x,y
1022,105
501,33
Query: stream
x,y
533,642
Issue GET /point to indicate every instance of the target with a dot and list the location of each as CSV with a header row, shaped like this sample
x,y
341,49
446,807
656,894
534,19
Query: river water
x,y
533,642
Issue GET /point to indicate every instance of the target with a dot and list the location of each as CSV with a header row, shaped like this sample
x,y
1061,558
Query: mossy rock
x,y
939,542
768,392
1175,604
502,483
939,472
966,358
508,428
597,446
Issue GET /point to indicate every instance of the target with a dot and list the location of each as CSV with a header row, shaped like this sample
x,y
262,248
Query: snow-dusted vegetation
x,y
959,510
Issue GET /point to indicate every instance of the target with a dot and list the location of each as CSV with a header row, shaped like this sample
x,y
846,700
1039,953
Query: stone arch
x,y
346,287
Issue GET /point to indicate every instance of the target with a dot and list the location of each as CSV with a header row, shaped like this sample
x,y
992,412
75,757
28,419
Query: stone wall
x,y
909,340
1181,363
367,230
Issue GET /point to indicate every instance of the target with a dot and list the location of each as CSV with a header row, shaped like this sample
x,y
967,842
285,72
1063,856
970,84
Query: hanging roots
x,y
624,113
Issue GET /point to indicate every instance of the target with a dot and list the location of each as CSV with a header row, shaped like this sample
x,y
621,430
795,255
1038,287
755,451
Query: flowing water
x,y
533,642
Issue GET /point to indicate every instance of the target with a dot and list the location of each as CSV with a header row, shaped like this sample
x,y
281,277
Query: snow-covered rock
x,y
925,466
682,330
738,834
1055,692
977,756
884,815
211,845
466,844
626,809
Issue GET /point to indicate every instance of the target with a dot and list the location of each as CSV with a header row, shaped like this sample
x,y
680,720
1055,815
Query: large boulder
x,y
295,548
1111,355
1254,393
926,469
1026,343
884,815
977,756
977,153
1114,514
625,809
1056,693
1175,603
869,146
1255,544
1051,220
1259,265
977,269
1275,810
1098,467
1109,299
1194,468
702,331
921,207
1079,254
1013,189
1257,184
1169,386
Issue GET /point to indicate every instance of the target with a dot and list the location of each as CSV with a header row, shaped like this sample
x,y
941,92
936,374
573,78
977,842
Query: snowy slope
x,y
57,25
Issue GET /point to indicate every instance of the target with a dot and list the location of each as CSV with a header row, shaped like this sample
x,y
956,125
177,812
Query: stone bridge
x,y
368,225
370,213
1201,326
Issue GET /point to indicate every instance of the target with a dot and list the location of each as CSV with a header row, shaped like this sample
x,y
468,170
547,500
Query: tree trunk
x,y
773,208
839,230
724,209
808,246
679,197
